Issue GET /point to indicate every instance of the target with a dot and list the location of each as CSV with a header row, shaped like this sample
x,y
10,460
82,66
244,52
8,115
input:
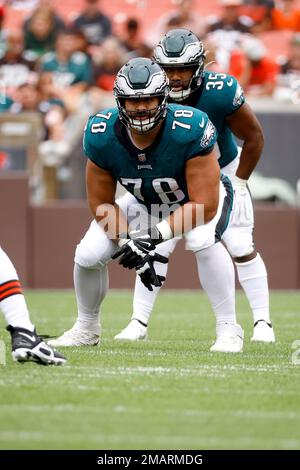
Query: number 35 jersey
x,y
219,96
156,174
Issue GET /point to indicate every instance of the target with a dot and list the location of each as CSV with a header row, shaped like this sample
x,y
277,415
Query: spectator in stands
x,y
80,42
260,74
132,39
37,98
226,30
29,99
47,7
288,89
95,25
231,18
40,32
285,15
260,12
71,68
183,17
15,65
291,65
113,57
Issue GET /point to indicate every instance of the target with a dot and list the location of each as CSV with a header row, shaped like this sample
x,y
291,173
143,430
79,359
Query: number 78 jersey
x,y
156,174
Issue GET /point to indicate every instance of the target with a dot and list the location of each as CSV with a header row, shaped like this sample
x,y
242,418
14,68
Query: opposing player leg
x,y
26,345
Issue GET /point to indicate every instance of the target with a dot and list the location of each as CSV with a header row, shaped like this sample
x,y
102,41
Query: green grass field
x,y
167,393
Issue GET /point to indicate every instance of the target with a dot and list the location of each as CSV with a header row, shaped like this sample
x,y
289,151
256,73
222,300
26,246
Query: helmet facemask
x,y
144,120
140,79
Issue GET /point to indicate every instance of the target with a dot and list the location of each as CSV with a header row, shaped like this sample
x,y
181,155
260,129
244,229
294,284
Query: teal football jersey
x,y
77,69
219,96
156,174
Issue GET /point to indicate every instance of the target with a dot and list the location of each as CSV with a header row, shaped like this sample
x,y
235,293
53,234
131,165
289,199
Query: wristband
x,y
241,183
165,230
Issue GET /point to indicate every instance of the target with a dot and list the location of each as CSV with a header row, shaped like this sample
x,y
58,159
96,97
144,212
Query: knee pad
x,y
86,258
167,248
238,242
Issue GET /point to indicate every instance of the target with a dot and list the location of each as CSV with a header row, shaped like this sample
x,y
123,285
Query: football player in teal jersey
x,y
164,155
181,54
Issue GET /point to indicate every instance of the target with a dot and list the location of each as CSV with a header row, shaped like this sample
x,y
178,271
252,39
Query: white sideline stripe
x,y
214,370
127,409
191,441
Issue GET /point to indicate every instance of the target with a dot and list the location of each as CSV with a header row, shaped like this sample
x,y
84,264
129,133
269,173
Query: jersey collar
x,y
122,135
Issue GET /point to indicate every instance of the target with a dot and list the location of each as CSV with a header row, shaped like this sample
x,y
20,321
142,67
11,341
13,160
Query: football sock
x,y
143,301
90,287
254,280
216,274
12,301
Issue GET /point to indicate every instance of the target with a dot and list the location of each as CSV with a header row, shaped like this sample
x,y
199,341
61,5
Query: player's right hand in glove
x,y
135,248
242,212
147,273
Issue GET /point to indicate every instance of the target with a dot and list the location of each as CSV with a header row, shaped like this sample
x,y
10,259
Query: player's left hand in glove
x,y
135,249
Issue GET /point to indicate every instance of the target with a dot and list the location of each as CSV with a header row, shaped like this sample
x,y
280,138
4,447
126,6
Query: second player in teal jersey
x,y
182,56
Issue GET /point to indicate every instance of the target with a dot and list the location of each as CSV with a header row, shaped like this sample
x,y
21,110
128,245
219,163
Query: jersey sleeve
x,y
204,136
91,149
232,95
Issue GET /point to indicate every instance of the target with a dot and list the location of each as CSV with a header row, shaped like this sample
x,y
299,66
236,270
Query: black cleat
x,y
27,346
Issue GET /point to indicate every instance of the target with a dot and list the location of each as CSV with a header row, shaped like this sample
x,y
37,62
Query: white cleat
x,y
263,331
76,337
229,338
134,331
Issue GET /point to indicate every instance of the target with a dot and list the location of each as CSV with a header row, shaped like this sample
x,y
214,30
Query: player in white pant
x,y
113,143
26,345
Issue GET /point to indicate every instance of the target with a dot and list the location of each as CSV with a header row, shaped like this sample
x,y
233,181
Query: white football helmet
x,y
182,48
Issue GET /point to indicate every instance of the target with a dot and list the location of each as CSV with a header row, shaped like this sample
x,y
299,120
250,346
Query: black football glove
x,y
147,272
138,247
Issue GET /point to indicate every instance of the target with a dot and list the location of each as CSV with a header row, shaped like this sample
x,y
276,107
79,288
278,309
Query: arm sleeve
x,y
205,136
232,95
